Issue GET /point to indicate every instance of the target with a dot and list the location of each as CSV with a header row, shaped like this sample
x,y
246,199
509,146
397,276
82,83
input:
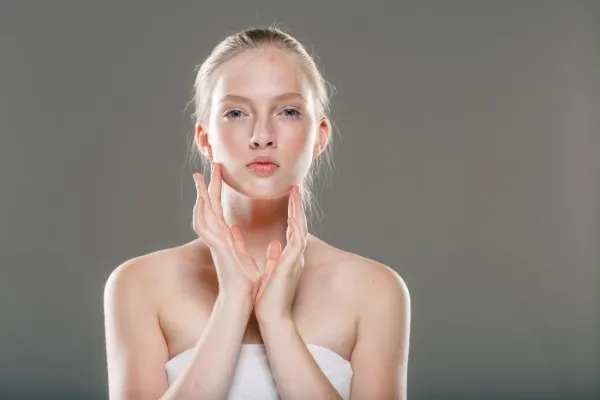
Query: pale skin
x,y
305,291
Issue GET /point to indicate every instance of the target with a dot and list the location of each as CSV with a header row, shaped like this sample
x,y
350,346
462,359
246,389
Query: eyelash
x,y
297,115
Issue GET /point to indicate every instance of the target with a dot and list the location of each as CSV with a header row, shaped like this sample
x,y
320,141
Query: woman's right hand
x,y
237,271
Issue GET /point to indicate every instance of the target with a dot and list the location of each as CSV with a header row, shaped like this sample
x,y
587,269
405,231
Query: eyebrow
x,y
284,96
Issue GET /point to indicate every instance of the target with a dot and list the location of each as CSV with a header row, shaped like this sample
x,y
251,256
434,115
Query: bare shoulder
x,y
149,274
381,302
136,348
368,280
139,270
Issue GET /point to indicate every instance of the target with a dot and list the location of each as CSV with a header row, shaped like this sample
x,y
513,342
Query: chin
x,y
264,191
266,188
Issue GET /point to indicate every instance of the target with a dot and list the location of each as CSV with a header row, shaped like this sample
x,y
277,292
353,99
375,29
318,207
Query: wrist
x,y
234,302
275,327
273,319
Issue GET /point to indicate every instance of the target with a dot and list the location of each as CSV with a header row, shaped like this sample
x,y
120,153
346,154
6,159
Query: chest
x,y
322,312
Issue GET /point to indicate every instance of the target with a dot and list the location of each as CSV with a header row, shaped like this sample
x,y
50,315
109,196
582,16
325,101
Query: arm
x,y
295,371
135,348
216,354
137,351
380,356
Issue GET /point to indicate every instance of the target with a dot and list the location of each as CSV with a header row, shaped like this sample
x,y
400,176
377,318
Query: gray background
x,y
469,162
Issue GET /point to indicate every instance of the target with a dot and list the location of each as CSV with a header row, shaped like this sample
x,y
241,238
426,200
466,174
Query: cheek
x,y
227,141
299,147
298,133
299,143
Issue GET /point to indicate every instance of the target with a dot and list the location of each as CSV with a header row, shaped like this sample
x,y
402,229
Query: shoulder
x,y
136,347
137,271
380,282
147,275
381,301
378,285
370,282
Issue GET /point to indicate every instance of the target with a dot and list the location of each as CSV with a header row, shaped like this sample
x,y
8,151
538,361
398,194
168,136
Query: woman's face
x,y
262,105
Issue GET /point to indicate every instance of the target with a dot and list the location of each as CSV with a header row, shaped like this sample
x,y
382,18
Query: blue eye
x,y
238,114
295,113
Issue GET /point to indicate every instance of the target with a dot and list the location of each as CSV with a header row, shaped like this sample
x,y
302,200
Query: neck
x,y
260,220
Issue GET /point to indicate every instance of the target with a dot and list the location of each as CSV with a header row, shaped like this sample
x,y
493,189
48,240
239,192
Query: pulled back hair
x,y
252,38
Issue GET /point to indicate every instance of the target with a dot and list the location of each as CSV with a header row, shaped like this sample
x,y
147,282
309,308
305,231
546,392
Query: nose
x,y
263,137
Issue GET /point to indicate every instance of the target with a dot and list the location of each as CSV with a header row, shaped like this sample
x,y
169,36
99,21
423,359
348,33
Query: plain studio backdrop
x,y
468,162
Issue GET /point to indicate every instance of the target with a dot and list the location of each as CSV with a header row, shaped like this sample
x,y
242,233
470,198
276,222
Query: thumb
x,y
273,254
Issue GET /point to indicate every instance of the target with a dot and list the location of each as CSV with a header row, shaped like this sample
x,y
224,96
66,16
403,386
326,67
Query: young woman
x,y
256,307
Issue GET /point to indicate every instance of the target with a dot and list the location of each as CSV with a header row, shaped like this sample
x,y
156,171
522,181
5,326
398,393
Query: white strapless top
x,y
253,379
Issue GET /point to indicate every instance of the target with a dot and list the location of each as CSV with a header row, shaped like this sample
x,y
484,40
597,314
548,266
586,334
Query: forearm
x,y
294,369
211,369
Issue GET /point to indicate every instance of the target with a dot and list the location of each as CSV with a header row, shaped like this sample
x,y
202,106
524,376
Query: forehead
x,y
261,73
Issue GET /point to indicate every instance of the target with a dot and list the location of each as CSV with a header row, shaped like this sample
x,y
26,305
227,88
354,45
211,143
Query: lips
x,y
263,160
263,166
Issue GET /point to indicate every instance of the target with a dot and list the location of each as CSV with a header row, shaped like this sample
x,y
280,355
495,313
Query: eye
x,y
291,113
234,114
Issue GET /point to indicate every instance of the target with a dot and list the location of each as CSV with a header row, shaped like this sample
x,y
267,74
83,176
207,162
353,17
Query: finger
x,y
300,215
291,236
199,207
208,210
197,186
274,250
201,217
202,189
198,178
238,238
214,190
199,222
289,232
300,218
297,236
273,255
293,249
291,203
299,244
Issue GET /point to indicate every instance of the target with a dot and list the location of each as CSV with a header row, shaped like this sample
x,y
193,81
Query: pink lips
x,y
263,166
263,169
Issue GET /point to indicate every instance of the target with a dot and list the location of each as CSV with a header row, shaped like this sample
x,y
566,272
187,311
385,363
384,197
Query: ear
x,y
201,139
322,137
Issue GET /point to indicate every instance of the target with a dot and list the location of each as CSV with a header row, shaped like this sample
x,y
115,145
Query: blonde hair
x,y
253,38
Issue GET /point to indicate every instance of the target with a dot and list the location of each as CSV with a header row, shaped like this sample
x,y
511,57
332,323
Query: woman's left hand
x,y
282,271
